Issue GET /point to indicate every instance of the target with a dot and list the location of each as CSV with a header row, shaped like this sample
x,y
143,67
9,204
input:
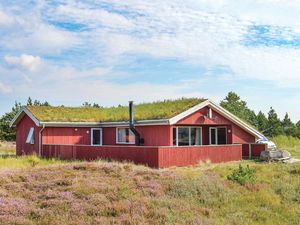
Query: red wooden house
x,y
160,134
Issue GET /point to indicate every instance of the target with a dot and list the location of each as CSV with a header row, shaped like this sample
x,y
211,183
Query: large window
x,y
187,136
30,136
96,136
125,136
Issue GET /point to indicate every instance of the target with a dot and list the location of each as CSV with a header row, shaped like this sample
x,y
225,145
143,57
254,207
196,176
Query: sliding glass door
x,y
217,136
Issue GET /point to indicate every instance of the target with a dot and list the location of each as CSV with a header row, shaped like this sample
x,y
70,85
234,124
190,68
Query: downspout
x,y
40,140
131,125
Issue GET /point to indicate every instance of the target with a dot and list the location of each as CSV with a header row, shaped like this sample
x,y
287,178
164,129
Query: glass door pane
x,y
196,136
221,136
183,136
212,135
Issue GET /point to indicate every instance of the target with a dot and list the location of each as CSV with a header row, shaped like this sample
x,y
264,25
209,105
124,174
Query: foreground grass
x,y
115,193
13,162
7,148
288,143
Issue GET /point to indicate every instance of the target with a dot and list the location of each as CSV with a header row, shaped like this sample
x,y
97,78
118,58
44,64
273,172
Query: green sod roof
x,y
146,111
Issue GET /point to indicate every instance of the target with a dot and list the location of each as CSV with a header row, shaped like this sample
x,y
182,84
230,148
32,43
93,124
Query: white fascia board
x,y
188,112
24,110
106,124
235,119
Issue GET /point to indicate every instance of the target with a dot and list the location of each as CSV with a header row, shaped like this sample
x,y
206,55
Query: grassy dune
x,y
115,193
288,143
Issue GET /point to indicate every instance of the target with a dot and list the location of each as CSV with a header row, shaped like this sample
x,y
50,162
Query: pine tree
x,y
274,124
29,101
288,126
7,133
262,121
238,107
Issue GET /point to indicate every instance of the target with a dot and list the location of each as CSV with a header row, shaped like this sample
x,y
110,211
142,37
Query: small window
x,y
30,137
125,136
96,136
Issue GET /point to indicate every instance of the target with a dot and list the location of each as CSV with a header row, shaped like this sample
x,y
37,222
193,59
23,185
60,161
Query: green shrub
x,y
242,175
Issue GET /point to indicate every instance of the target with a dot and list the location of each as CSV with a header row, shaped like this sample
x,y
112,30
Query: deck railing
x,y
157,157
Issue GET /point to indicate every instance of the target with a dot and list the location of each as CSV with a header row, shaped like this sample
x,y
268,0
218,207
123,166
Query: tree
x,y
298,129
262,121
238,107
288,126
7,133
87,104
29,101
274,124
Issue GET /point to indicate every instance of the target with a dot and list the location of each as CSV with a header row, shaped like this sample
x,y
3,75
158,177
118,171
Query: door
x,y
217,136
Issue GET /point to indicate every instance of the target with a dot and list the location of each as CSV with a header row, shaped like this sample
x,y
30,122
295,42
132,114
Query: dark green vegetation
x,y
243,175
269,125
145,111
115,193
7,133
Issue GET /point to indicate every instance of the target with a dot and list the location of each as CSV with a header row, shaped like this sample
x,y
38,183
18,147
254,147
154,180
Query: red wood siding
x,y
153,135
66,136
240,136
139,155
23,128
200,117
158,157
156,135
185,156
256,149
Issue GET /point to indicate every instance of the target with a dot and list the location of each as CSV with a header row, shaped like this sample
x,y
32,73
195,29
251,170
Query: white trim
x,y
210,115
117,134
188,112
24,110
41,140
30,136
92,136
106,124
221,111
189,127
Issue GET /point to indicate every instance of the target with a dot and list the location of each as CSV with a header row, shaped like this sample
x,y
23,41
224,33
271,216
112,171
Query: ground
x,y
38,191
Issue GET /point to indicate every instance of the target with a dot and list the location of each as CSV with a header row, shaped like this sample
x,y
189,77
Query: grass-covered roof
x,y
145,111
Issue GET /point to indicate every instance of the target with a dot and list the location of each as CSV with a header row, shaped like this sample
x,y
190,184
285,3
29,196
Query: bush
x,y
242,175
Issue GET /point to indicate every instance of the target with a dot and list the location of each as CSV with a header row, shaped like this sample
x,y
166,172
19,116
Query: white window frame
x,y
117,136
189,127
92,136
30,136
216,137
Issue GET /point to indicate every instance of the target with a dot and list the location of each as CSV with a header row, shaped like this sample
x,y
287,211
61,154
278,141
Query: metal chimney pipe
x,y
131,124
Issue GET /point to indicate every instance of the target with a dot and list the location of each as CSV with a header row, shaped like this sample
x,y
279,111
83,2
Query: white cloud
x,y
5,20
27,62
5,89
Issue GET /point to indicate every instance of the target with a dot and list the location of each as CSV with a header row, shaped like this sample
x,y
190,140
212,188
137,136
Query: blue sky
x,y
69,52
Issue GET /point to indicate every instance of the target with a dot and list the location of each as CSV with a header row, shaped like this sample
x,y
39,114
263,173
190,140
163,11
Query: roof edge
x,y
105,124
19,115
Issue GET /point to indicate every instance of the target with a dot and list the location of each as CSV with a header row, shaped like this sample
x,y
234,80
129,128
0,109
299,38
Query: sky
x,y
111,51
